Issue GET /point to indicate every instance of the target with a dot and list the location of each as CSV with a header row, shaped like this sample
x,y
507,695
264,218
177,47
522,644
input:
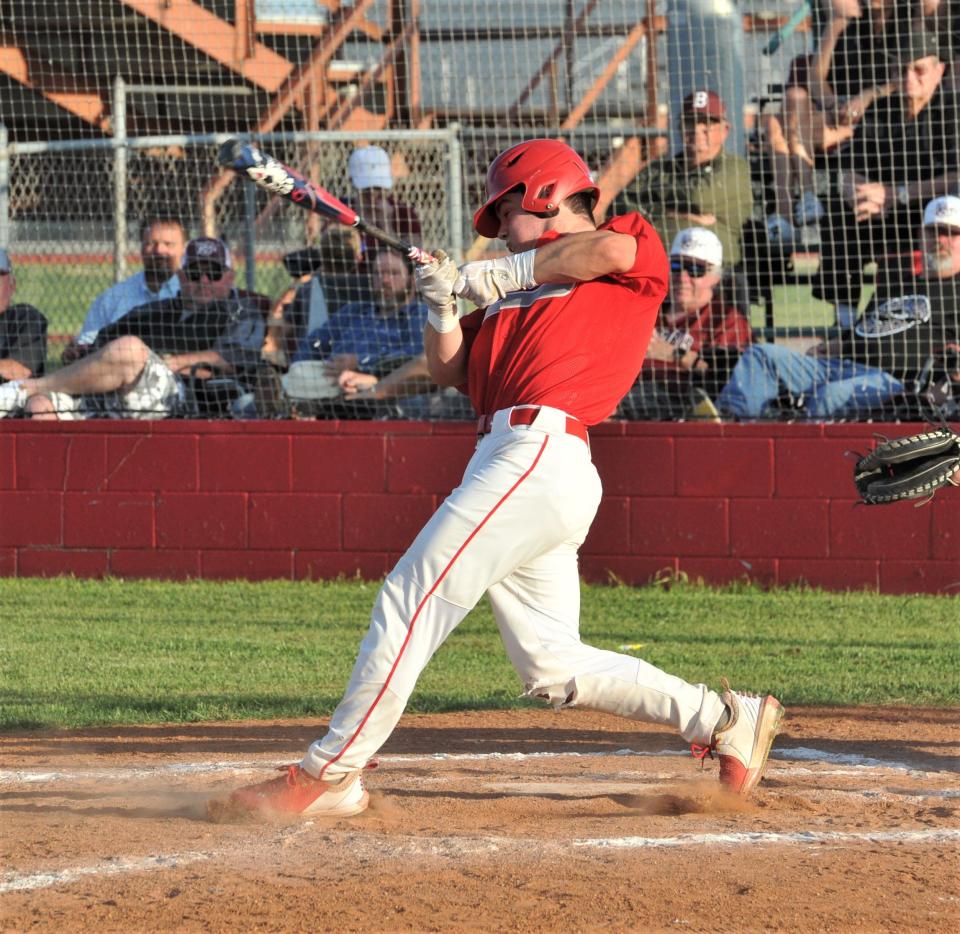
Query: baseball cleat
x,y
743,745
294,792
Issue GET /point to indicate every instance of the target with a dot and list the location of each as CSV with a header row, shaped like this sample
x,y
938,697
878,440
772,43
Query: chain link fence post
x,y
455,192
119,180
4,187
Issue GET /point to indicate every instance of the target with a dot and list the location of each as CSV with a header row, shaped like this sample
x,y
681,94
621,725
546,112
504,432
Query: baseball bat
x,y
279,179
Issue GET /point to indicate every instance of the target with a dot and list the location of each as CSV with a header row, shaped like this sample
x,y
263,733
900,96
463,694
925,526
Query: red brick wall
x,y
770,503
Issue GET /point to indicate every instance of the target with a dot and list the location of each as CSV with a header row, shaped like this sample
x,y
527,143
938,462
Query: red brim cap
x,y
704,103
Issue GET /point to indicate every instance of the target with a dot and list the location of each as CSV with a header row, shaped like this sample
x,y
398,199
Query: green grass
x,y
81,653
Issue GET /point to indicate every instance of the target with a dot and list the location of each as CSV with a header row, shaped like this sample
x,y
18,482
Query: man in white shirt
x,y
162,242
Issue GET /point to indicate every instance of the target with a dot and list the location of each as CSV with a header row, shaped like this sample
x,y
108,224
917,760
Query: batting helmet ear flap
x,y
546,170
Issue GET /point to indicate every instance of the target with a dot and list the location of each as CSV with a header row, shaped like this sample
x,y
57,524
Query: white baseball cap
x,y
369,167
943,211
698,243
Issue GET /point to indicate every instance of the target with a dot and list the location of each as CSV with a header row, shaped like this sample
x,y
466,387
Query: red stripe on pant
x,y
422,603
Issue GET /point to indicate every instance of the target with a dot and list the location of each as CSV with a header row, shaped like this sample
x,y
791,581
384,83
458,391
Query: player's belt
x,y
527,415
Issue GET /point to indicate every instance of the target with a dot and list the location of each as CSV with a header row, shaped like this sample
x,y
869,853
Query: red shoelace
x,y
701,752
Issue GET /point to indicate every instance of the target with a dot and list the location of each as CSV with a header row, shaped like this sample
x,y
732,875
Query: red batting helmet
x,y
547,170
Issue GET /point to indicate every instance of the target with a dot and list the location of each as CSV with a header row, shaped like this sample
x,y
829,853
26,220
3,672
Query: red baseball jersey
x,y
576,347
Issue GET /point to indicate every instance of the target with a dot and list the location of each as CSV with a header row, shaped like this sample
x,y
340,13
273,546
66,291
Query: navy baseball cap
x,y
207,250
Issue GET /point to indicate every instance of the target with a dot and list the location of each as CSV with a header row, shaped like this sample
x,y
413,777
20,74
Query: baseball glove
x,y
913,467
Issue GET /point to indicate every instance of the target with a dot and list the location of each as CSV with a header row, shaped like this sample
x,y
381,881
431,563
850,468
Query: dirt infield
x,y
516,821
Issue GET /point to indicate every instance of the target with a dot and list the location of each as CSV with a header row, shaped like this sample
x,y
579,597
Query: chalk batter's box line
x,y
857,765
461,847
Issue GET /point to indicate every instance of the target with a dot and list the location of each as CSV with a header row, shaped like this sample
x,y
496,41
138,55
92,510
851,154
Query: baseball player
x,y
560,334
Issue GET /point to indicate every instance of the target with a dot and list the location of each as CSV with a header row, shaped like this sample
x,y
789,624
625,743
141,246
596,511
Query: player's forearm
x,y
580,257
446,356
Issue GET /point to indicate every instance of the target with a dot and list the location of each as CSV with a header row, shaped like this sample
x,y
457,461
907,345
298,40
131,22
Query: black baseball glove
x,y
912,467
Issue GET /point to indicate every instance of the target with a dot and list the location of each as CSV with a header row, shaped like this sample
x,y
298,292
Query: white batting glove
x,y
488,281
435,282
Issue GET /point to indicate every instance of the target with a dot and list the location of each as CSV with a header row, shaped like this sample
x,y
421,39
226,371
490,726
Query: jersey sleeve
x,y
650,272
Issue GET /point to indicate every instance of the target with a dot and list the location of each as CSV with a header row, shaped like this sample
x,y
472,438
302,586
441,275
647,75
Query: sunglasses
x,y
941,230
196,273
692,269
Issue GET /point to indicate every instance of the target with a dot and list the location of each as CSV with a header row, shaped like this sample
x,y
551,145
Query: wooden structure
x,y
201,66
212,65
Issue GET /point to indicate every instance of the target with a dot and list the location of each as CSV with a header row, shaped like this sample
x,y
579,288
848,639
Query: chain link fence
x,y
65,204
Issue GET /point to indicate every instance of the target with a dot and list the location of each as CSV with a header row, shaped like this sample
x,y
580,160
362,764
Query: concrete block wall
x,y
257,500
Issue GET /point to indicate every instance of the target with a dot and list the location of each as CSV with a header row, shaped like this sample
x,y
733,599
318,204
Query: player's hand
x,y
487,281
436,280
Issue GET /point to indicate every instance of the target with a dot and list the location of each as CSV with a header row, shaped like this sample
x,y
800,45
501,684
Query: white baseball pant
x,y
511,529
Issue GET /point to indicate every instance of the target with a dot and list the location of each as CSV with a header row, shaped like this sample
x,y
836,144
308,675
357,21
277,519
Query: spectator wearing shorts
x,y
141,362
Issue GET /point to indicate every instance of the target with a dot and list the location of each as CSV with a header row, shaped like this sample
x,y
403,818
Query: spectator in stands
x,y
140,364
23,331
903,152
909,325
336,365
373,337
162,241
702,186
825,96
372,176
698,337
325,277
